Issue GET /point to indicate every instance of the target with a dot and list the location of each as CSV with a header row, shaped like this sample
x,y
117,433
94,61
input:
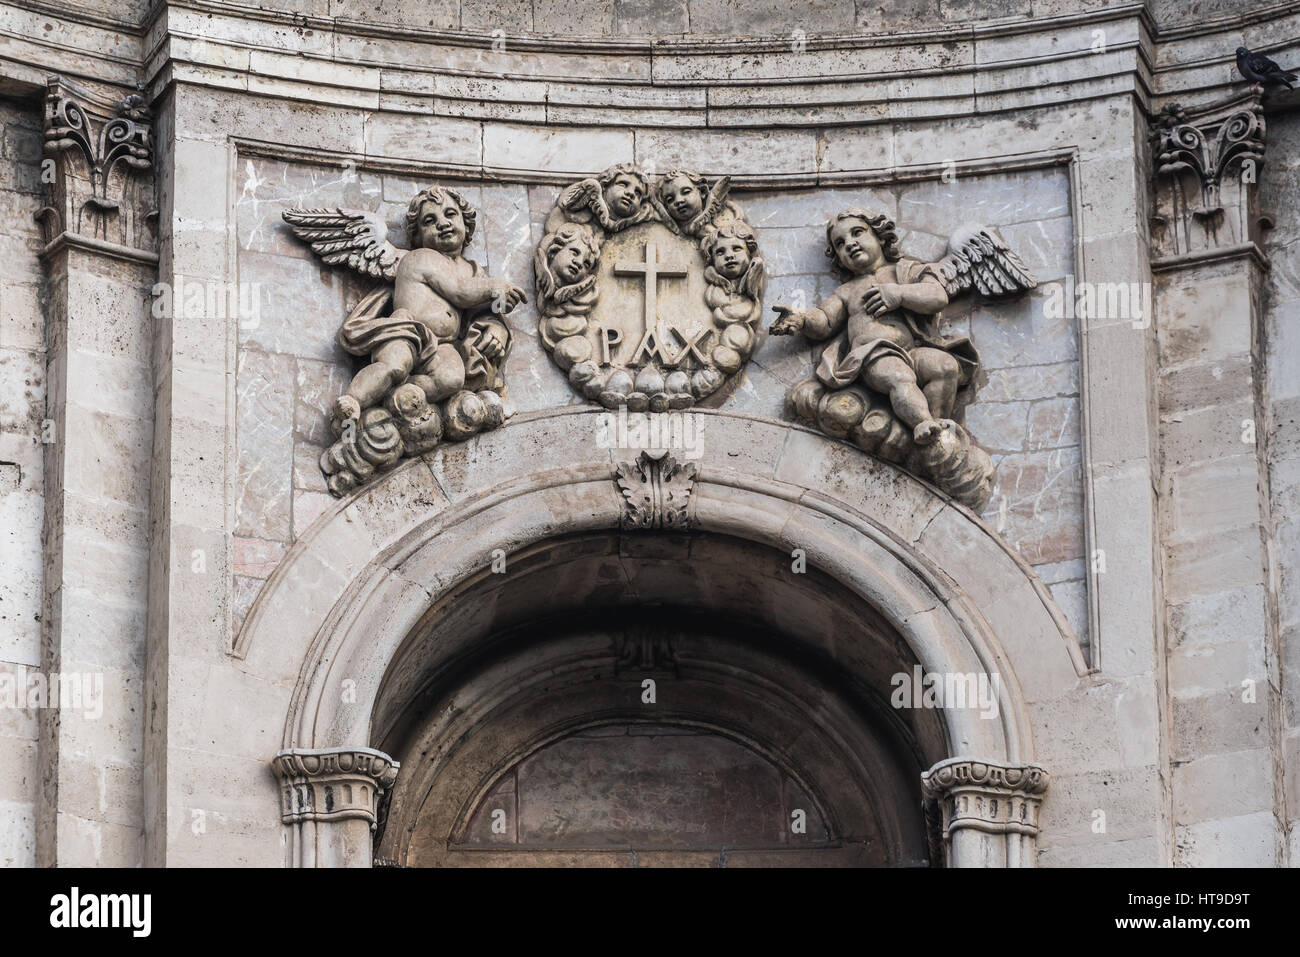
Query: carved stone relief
x,y
102,154
431,331
1207,161
656,491
649,293
888,379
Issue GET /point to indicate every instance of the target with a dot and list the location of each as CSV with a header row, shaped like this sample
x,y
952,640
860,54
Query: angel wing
x,y
581,195
717,196
979,260
754,283
358,240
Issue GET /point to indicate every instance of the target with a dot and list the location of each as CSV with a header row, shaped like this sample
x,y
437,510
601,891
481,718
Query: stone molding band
x,y
332,784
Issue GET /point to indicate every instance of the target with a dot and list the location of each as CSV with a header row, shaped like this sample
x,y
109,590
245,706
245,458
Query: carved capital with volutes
x,y
984,796
332,784
98,169
1207,160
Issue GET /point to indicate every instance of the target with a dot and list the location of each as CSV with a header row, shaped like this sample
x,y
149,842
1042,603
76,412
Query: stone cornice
x,y
741,182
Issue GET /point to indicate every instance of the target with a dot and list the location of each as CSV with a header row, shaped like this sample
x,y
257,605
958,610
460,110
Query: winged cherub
x,y
443,333
690,204
889,311
887,379
615,199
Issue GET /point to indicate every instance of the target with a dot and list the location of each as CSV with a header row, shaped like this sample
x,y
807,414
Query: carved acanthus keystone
x,y
332,784
656,491
102,155
994,798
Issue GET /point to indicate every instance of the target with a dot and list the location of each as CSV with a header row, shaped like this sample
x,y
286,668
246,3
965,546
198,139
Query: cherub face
x,y
730,257
572,261
441,225
856,247
624,195
680,197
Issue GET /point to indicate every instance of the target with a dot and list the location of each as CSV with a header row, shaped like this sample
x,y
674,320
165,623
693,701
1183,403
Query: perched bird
x,y
1261,70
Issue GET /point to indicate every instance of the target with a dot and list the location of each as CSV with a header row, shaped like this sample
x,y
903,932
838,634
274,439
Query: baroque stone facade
x,y
456,434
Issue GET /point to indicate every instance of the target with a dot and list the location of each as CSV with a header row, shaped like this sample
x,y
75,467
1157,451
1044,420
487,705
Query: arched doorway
x,y
397,596
762,719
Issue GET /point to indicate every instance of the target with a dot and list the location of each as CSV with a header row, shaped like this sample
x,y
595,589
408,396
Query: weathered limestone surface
x,y
22,410
1281,179
1124,478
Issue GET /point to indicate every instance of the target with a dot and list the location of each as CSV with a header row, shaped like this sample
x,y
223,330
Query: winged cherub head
x,y
624,188
566,262
859,242
439,218
683,193
731,249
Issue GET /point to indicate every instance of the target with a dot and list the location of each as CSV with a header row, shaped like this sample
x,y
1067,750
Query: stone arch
x,y
351,592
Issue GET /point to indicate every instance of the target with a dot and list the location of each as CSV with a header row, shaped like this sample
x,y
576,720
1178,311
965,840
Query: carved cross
x,y
652,269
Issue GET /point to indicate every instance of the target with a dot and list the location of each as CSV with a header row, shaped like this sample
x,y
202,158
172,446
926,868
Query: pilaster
x,y
1223,686
100,265
329,800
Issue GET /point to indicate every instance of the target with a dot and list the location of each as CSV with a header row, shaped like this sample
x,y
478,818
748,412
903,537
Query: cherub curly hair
x,y
738,229
884,228
548,287
696,180
437,194
623,169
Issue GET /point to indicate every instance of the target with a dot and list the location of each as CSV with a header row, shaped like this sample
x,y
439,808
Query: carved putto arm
x,y
979,260
358,240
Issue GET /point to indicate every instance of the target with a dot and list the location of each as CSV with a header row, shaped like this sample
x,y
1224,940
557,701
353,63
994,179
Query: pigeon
x,y
1261,70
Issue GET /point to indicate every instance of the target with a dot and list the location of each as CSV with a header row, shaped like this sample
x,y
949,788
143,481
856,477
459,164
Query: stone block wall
x,y
22,410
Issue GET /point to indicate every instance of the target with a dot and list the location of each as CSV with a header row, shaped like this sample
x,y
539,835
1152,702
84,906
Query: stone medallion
x,y
649,292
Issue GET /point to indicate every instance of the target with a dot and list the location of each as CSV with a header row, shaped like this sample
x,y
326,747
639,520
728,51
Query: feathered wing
x,y
754,283
717,197
357,240
979,260
581,195
1266,66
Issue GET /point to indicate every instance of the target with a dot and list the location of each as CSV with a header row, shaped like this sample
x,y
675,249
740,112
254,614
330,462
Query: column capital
x,y
98,167
332,784
1214,209
985,796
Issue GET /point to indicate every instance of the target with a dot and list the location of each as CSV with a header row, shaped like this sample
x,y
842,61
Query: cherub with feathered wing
x,y
432,332
888,311
888,379
690,205
443,327
613,200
